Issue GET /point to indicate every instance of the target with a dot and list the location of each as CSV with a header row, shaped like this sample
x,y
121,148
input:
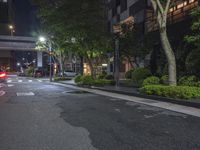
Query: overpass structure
x,y
17,43
9,45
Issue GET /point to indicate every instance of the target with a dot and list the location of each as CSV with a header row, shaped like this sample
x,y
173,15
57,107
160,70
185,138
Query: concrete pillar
x,y
39,59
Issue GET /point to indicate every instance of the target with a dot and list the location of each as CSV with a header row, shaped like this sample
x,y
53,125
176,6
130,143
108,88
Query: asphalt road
x,y
35,115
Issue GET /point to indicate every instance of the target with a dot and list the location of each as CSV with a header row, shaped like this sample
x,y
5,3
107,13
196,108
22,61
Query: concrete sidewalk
x,y
165,105
132,91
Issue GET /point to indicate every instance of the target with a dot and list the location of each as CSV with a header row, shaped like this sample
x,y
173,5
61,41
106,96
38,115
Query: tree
x,y
132,44
161,8
83,20
192,60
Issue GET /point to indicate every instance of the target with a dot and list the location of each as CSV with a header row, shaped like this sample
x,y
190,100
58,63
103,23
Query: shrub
x,y
102,82
109,77
153,80
78,79
87,80
102,75
188,81
128,74
165,79
61,78
183,92
139,74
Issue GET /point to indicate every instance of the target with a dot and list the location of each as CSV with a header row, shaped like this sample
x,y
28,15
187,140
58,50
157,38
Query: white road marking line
x,y
19,80
2,93
10,85
9,81
25,94
30,80
39,80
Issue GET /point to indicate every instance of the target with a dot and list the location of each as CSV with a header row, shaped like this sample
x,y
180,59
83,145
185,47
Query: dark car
x,y
2,76
38,73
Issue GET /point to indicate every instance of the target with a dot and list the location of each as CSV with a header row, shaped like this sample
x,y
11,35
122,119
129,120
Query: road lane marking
x,y
10,85
2,93
30,80
19,80
39,80
9,81
25,94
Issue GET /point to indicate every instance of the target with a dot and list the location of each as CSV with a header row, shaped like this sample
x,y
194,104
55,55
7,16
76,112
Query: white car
x,y
69,74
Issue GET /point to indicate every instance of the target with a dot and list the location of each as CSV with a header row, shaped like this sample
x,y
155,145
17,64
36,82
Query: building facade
x,y
140,12
6,17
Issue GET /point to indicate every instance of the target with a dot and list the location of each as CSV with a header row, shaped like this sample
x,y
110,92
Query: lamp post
x,y
11,29
48,42
116,31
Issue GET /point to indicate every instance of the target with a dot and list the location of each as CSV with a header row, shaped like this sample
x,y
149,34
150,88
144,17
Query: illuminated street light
x,y
11,27
48,43
18,64
42,39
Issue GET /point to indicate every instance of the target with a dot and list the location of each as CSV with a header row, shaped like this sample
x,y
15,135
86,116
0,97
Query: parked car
x,y
2,76
38,74
68,73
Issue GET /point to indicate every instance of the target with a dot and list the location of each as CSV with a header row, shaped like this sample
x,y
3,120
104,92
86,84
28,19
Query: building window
x,y
117,3
123,5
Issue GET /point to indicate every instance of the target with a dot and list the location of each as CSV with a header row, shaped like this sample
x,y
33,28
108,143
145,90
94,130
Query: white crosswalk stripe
x,y
30,80
19,80
39,80
9,81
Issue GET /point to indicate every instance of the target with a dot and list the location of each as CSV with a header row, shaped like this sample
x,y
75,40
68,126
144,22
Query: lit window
x,y
180,5
171,9
185,3
191,1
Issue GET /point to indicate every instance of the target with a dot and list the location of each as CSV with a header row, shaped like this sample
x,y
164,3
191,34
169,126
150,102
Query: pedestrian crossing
x,y
11,80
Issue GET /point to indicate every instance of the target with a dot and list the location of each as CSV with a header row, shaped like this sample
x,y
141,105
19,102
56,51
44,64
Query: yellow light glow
x,y
11,27
191,1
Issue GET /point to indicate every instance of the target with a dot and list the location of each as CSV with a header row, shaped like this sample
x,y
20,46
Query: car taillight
x,y
2,75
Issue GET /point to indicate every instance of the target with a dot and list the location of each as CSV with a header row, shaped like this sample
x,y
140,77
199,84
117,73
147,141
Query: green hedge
x,y
188,81
88,80
128,74
139,74
182,92
153,80
61,78
78,78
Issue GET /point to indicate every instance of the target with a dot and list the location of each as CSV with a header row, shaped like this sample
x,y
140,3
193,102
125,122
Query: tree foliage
x,y
82,20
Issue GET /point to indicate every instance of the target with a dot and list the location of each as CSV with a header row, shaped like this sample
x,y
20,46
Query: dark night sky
x,y
25,18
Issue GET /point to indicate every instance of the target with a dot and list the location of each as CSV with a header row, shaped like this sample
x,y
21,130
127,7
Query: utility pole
x,y
50,61
117,61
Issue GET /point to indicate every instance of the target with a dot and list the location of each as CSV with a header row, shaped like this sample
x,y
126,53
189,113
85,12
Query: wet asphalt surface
x,y
59,118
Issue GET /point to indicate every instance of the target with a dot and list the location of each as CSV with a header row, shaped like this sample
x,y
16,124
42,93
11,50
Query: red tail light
x,y
2,75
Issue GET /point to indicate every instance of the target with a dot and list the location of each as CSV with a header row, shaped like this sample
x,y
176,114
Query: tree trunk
x,y
91,66
61,64
170,57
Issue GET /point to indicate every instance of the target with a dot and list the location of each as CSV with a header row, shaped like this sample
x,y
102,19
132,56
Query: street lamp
x,y
48,42
116,31
11,29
